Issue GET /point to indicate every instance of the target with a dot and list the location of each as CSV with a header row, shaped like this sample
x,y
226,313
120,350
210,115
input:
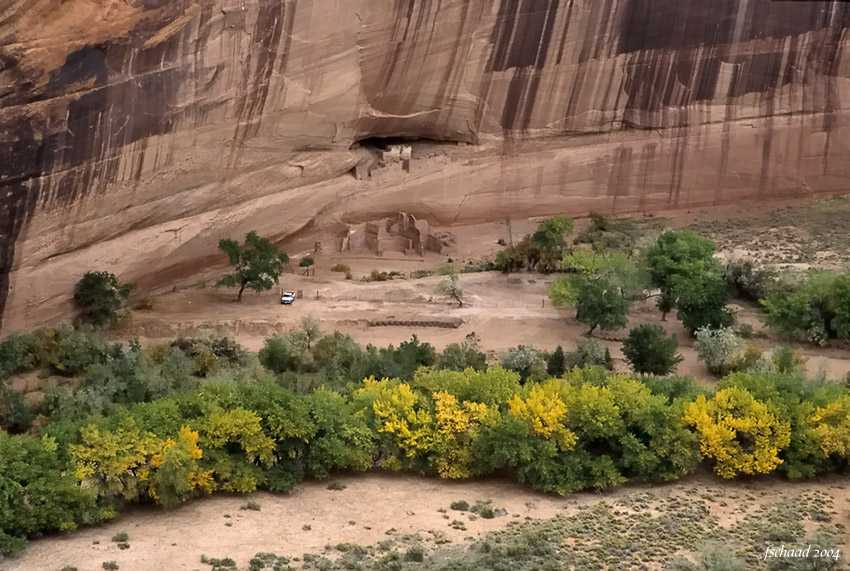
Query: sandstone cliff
x,y
135,133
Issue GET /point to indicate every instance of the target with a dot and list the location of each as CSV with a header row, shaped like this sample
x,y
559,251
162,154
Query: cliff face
x,y
135,133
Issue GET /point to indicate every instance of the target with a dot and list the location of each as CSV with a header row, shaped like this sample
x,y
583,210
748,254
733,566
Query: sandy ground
x,y
370,505
503,310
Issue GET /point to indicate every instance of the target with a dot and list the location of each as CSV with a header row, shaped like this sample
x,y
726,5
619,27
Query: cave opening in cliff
x,y
381,157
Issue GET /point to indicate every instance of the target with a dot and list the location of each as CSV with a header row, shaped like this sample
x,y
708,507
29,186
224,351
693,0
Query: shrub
x,y
110,565
484,510
607,234
15,355
820,552
205,363
415,554
147,303
748,280
814,308
99,295
306,262
378,276
717,348
343,268
589,352
746,330
251,505
751,360
16,413
223,564
525,360
788,360
447,269
651,351
460,505
209,343
121,537
337,486
712,557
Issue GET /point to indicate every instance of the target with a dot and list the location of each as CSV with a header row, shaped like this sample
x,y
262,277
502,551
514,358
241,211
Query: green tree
x,y
547,244
39,492
258,263
335,355
306,262
450,288
557,364
99,296
460,356
286,352
600,303
311,329
514,256
700,295
677,253
602,291
650,351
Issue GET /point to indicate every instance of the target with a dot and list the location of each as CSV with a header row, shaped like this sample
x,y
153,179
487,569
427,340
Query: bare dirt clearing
x,y
503,310
363,513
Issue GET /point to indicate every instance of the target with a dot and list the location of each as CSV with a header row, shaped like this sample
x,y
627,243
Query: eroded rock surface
x,y
135,133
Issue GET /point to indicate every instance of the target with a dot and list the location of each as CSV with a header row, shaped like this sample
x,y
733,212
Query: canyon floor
x,y
504,311
376,507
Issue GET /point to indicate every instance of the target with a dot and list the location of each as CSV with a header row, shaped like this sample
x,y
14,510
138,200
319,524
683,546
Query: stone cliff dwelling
x,y
386,159
402,233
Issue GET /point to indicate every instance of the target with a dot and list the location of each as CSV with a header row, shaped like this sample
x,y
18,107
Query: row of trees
x,y
588,429
92,376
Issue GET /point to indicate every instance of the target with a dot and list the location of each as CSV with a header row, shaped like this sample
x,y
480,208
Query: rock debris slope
x,y
135,133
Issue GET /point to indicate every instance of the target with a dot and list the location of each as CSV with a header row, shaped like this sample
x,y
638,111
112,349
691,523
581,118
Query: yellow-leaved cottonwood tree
x,y
741,434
